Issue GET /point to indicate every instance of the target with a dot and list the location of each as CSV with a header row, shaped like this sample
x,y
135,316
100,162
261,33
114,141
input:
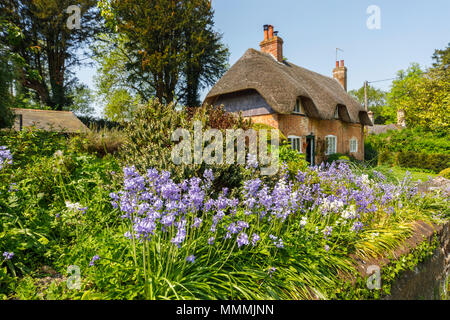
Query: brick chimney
x,y
340,74
272,43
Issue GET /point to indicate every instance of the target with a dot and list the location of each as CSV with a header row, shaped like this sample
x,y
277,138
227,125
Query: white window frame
x,y
299,143
353,145
327,144
298,108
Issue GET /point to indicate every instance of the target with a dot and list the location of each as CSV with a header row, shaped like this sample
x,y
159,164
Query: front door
x,y
310,149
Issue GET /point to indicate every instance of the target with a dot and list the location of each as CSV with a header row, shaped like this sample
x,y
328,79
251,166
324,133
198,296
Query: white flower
x,y
73,206
349,213
58,153
365,179
303,222
328,206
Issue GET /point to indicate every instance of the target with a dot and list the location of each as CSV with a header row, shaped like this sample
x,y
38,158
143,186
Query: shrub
x,y
370,153
445,173
414,140
99,124
31,143
100,141
148,140
294,160
337,156
408,159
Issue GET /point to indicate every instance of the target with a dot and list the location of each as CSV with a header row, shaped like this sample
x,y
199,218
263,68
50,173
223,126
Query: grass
x,y
399,173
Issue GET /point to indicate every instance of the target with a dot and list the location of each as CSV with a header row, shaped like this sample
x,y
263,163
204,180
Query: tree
x,y
424,96
118,90
442,58
172,50
376,100
45,48
375,97
5,90
206,57
81,98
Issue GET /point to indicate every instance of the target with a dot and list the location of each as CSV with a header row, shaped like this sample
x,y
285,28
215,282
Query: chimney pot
x,y
337,64
342,63
270,32
266,32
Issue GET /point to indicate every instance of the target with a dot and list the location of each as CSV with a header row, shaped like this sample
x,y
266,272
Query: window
x,y
330,142
353,145
298,107
295,143
336,113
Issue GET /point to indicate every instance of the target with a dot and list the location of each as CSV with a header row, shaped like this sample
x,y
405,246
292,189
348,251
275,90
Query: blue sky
x,y
312,30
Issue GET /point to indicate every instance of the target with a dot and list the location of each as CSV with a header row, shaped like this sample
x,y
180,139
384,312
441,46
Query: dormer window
x,y
336,113
298,109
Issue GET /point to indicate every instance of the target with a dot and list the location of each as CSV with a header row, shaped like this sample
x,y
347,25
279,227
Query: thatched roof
x,y
49,120
281,83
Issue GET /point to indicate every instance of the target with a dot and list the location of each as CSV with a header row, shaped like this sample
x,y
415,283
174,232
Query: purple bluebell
x,y
242,239
94,258
8,255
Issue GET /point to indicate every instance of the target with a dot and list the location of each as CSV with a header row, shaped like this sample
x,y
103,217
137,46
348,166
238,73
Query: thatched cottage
x,y
48,120
313,111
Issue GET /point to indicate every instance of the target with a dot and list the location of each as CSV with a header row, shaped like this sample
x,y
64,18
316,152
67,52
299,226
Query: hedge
x,y
408,159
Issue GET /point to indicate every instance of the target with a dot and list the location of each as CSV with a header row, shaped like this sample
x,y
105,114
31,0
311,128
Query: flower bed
x,y
178,229
141,235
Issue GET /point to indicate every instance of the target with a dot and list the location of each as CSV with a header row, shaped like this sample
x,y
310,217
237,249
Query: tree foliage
x,y
5,87
45,49
116,93
425,97
172,51
376,100
375,97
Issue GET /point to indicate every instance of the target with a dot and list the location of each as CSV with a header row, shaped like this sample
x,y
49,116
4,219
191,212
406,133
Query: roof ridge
x,y
42,110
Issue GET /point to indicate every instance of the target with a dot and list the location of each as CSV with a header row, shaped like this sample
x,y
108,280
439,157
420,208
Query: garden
x,y
107,215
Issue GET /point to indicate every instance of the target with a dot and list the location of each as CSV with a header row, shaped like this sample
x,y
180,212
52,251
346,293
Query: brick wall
x,y
268,119
300,125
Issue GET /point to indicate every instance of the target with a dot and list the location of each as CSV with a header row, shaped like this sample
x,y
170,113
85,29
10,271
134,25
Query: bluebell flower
x,y
357,226
197,222
5,156
252,161
94,258
8,255
255,239
327,231
190,258
242,239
